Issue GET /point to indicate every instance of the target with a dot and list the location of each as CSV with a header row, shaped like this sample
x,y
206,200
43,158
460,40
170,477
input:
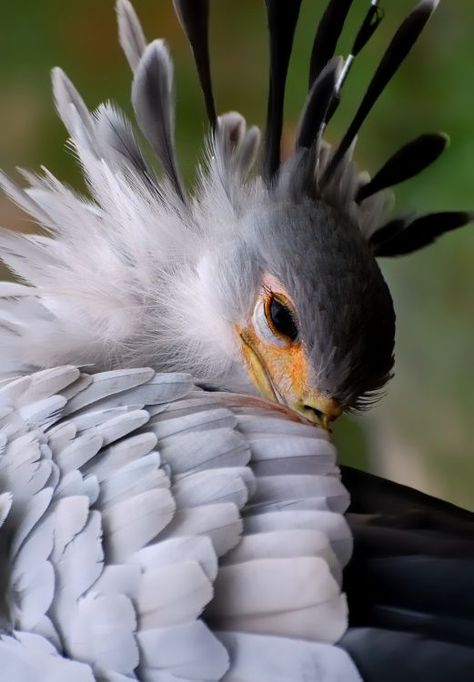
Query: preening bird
x,y
170,503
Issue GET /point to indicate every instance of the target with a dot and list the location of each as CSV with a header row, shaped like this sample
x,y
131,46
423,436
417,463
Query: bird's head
x,y
299,283
311,317
318,335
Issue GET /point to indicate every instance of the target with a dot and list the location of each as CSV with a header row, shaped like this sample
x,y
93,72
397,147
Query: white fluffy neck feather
x,y
128,277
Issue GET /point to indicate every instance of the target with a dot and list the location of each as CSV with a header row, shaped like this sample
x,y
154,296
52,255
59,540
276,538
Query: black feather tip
x,y
407,162
327,34
317,104
402,42
193,16
402,236
282,16
370,24
367,29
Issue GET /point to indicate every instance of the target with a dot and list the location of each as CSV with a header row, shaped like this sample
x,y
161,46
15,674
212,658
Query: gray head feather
x,y
345,312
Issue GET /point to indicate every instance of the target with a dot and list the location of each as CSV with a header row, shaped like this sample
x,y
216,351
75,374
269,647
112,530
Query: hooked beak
x,y
319,410
296,394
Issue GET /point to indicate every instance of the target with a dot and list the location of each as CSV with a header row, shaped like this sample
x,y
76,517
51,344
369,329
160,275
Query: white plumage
x,y
144,544
132,276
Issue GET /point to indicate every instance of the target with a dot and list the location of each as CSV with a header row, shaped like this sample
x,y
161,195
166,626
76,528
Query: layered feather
x,y
133,542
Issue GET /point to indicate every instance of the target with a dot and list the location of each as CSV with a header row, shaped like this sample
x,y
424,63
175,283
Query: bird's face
x,y
277,358
319,333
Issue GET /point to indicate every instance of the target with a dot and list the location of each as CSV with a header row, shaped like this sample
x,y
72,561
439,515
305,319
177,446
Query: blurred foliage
x,y
421,433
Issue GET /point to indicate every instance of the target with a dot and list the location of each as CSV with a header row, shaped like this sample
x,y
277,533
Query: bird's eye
x,y
275,320
281,319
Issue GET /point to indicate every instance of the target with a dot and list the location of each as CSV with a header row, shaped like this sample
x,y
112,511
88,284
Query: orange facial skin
x,y
281,370
286,368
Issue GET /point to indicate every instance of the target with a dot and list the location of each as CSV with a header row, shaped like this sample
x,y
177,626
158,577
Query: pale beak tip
x,y
319,410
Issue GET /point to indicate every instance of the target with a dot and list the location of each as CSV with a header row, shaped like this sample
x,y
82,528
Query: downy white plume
x,y
129,276
140,273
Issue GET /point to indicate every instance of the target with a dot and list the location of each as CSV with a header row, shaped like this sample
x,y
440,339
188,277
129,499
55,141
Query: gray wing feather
x,y
136,503
27,657
195,451
108,384
253,656
169,552
168,424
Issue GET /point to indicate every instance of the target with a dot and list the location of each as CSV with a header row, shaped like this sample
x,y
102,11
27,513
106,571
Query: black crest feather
x,y
282,17
368,27
327,34
407,162
194,18
317,104
402,236
401,44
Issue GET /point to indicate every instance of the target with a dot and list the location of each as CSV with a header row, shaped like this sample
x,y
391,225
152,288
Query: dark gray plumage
x,y
345,311
410,583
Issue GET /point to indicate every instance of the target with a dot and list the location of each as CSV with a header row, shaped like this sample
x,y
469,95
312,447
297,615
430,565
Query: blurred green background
x,y
422,432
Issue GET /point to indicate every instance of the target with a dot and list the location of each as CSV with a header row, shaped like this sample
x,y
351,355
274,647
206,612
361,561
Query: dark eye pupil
x,y
283,320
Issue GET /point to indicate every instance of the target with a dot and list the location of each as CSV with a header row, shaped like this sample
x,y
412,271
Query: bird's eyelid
x,y
273,286
283,300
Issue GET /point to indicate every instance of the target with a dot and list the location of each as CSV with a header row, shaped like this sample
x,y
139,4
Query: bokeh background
x,y
422,431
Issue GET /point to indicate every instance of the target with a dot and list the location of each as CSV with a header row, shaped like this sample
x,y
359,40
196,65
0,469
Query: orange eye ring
x,y
281,317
